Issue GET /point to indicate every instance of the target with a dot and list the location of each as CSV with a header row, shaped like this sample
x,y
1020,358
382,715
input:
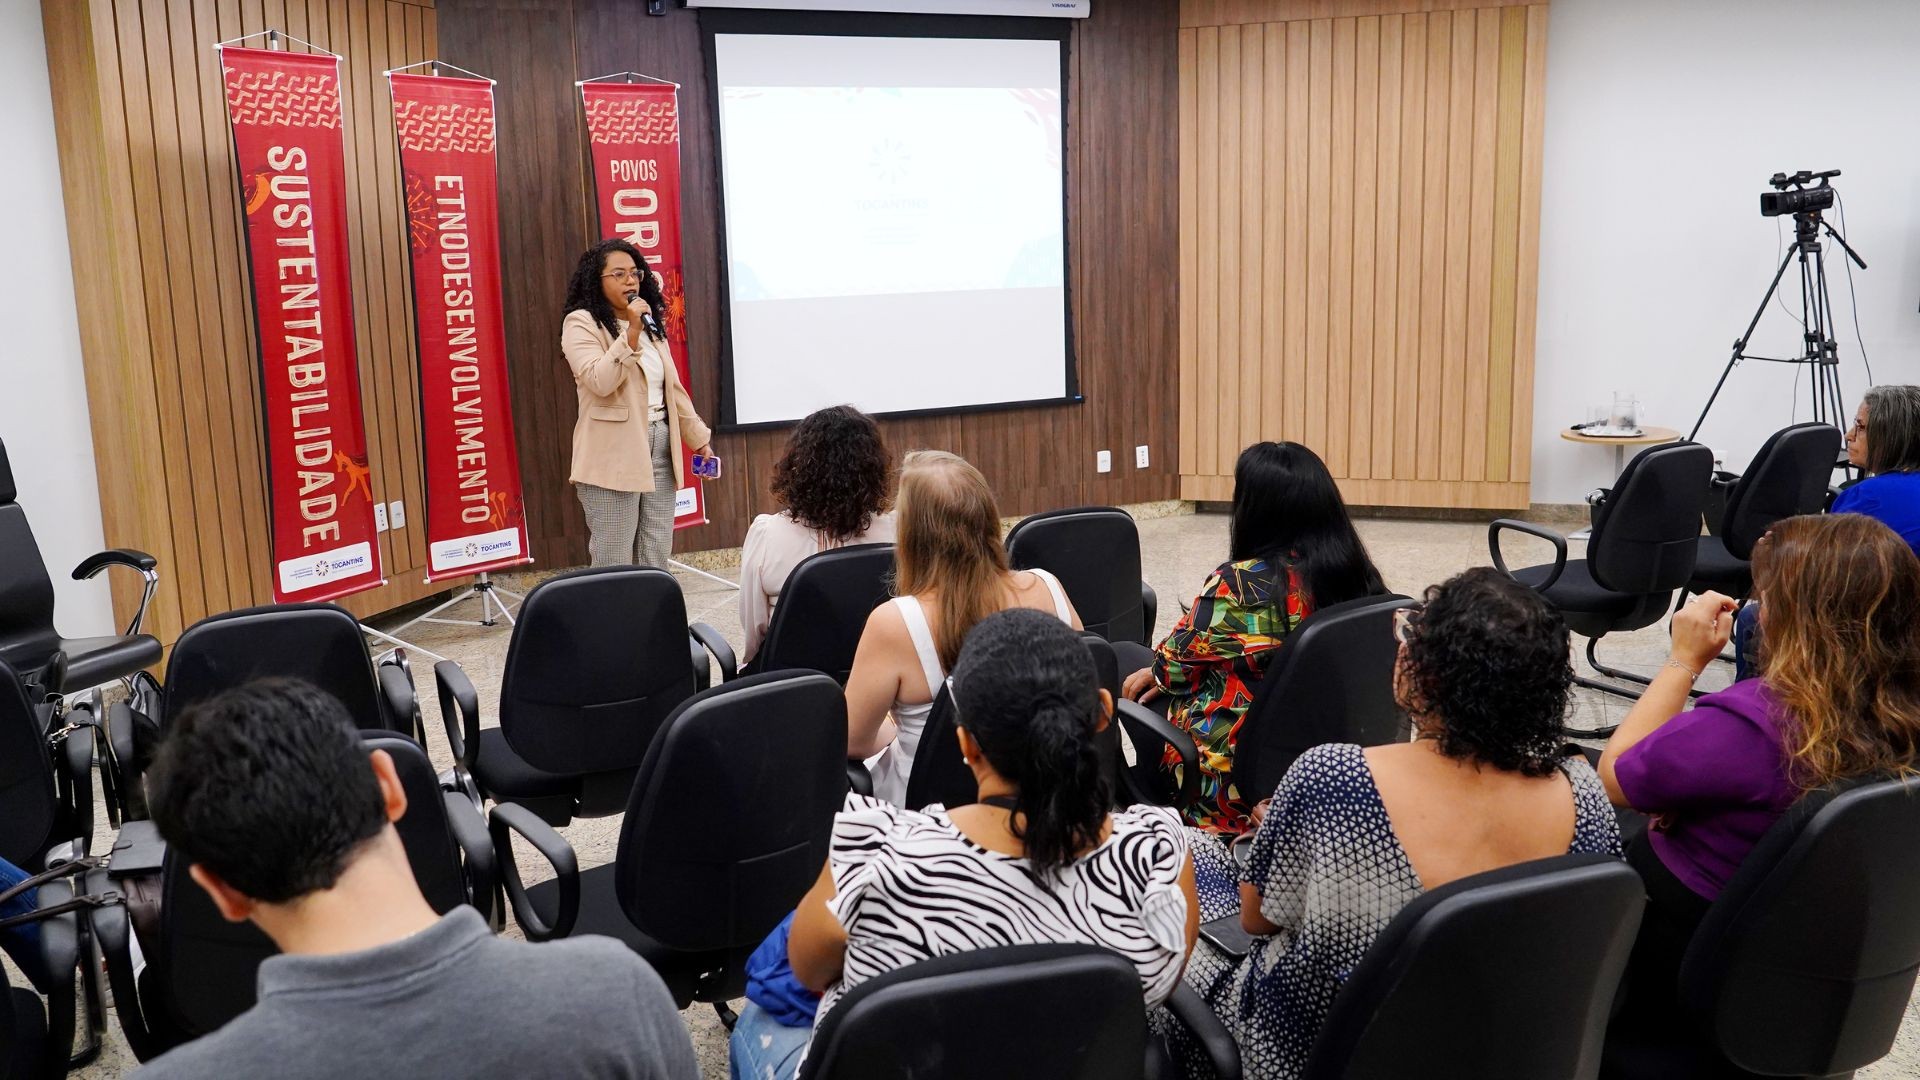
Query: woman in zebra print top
x,y
1038,860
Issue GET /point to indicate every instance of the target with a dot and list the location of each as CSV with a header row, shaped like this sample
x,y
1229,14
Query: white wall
x,y
1664,121
43,393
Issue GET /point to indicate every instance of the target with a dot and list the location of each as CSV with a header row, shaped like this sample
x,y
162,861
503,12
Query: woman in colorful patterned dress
x,y
1292,548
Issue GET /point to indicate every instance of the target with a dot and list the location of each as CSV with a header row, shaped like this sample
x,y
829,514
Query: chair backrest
x,y
320,643
1788,477
424,829
941,776
205,966
1045,1012
1647,531
26,592
732,810
1332,682
598,659
1507,973
1095,552
29,802
823,610
1805,963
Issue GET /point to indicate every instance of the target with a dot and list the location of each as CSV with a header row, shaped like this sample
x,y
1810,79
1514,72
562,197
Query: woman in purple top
x,y
1839,698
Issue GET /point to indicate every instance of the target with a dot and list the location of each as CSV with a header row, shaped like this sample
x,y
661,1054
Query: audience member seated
x,y
833,482
1884,443
1839,698
951,572
1038,860
1353,835
287,822
1292,548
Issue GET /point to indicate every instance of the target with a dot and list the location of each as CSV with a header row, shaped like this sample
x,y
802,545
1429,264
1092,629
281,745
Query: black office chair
x,y
823,610
25,1049
1805,964
727,827
598,661
1646,530
1332,682
1057,1012
319,643
1481,977
941,776
1788,477
28,639
1095,552
201,972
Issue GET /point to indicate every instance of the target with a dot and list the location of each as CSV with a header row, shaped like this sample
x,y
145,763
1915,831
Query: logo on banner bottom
x,y
459,551
312,571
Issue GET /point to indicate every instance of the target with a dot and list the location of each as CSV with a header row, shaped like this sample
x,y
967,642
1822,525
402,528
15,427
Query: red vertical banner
x,y
476,520
634,132
288,147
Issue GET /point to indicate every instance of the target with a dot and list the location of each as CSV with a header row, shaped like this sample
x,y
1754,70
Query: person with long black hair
x,y
1292,548
634,413
1040,859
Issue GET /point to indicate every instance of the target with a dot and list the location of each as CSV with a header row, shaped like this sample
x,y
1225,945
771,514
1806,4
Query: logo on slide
x,y
889,161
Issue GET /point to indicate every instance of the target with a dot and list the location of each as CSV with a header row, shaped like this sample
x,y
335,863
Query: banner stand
x,y
630,77
276,40
482,589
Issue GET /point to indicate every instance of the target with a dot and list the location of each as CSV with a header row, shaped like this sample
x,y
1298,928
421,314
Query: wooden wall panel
x,y
1388,241
172,372
1122,116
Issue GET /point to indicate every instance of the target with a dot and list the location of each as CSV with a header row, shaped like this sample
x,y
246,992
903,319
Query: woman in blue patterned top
x,y
1353,835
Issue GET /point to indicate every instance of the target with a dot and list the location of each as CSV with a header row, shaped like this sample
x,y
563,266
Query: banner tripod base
x,y
678,565
398,642
482,589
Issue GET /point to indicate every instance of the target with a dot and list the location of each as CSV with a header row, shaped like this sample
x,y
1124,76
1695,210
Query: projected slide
x,y
893,222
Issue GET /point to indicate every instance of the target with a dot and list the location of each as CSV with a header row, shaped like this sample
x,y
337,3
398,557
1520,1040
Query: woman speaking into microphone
x,y
634,414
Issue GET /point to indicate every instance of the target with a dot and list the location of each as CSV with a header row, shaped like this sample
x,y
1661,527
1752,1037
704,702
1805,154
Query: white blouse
x,y
775,545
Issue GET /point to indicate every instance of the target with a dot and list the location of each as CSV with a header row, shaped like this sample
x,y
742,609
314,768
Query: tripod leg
x,y
1740,346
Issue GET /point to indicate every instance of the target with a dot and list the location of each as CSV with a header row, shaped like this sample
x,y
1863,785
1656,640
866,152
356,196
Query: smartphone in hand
x,y
706,467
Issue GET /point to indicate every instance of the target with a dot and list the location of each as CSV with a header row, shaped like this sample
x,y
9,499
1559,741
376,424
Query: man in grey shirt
x,y
287,821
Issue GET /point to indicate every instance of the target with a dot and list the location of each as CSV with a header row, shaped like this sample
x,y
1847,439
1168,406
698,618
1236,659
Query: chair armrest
x,y
1510,525
132,559
113,931
1150,603
60,954
402,704
459,713
469,831
78,763
713,642
129,557
1207,1031
510,818
1145,726
859,780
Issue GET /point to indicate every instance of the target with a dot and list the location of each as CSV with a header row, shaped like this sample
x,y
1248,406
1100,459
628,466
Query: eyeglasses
x,y
1859,428
1403,625
623,275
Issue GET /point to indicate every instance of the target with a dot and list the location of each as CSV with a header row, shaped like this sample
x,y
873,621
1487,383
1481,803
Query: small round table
x,y
1649,436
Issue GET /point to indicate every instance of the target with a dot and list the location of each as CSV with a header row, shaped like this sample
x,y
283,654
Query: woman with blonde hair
x,y
1838,699
951,573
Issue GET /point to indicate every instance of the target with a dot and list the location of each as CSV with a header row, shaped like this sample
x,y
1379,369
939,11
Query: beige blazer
x,y
610,447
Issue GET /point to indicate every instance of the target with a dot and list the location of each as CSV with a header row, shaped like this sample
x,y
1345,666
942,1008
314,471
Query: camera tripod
x,y
1818,349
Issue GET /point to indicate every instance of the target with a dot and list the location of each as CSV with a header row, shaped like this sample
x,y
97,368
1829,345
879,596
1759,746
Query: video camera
x,y
1801,199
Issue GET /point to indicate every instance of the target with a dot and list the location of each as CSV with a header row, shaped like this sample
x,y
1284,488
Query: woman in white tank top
x,y
952,573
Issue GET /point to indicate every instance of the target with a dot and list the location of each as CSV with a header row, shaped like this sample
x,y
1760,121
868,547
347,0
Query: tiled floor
x,y
1179,551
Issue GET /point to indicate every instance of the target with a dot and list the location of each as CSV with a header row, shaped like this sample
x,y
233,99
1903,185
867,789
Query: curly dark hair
x,y
585,294
1485,672
835,474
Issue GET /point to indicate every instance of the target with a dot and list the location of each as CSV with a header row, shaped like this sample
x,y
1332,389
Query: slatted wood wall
x,y
166,323
1359,229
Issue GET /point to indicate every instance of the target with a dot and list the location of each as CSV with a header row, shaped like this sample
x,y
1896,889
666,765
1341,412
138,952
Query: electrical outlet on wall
x,y
1103,461
1139,457
397,514
379,517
